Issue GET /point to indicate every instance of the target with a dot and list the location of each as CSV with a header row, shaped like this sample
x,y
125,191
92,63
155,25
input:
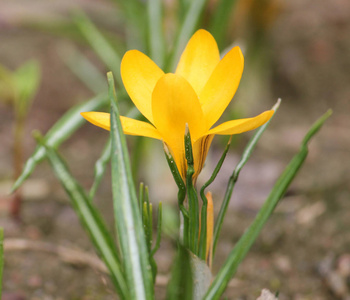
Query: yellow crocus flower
x,y
196,94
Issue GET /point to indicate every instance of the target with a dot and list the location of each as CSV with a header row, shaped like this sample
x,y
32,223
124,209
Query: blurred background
x,y
51,59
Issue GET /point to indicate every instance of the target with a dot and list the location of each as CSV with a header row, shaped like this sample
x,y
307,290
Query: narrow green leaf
x,y
203,234
141,191
188,27
59,132
147,216
149,219
232,181
181,283
90,219
1,257
26,80
246,241
181,195
145,221
193,206
159,229
100,44
102,162
137,156
220,19
100,167
177,176
81,66
155,32
182,8
136,31
127,214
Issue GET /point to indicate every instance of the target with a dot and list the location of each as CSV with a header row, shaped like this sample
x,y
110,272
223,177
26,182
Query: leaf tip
x,y
277,105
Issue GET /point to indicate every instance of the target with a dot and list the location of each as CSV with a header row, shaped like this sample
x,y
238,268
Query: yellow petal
x,y
99,119
222,85
175,103
140,74
242,125
130,126
199,59
200,150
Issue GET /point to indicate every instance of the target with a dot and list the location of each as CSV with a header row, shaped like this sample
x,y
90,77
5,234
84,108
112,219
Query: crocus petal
x,y
130,126
200,150
242,125
175,103
140,75
222,85
199,59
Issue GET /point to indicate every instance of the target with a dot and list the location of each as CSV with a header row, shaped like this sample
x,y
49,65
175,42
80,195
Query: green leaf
x,y
246,241
127,214
203,233
159,229
193,207
90,219
220,19
102,162
181,195
1,257
134,14
181,282
155,32
188,27
59,132
177,177
234,177
81,66
100,167
137,155
26,80
100,44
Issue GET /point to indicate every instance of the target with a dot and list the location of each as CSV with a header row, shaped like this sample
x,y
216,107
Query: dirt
x,y
302,252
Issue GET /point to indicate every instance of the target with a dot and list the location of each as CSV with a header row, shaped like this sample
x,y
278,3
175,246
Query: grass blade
x,y
246,241
234,177
181,283
127,214
27,81
203,232
100,167
102,162
81,66
187,29
220,19
193,207
100,44
90,219
155,33
159,229
59,132
134,13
